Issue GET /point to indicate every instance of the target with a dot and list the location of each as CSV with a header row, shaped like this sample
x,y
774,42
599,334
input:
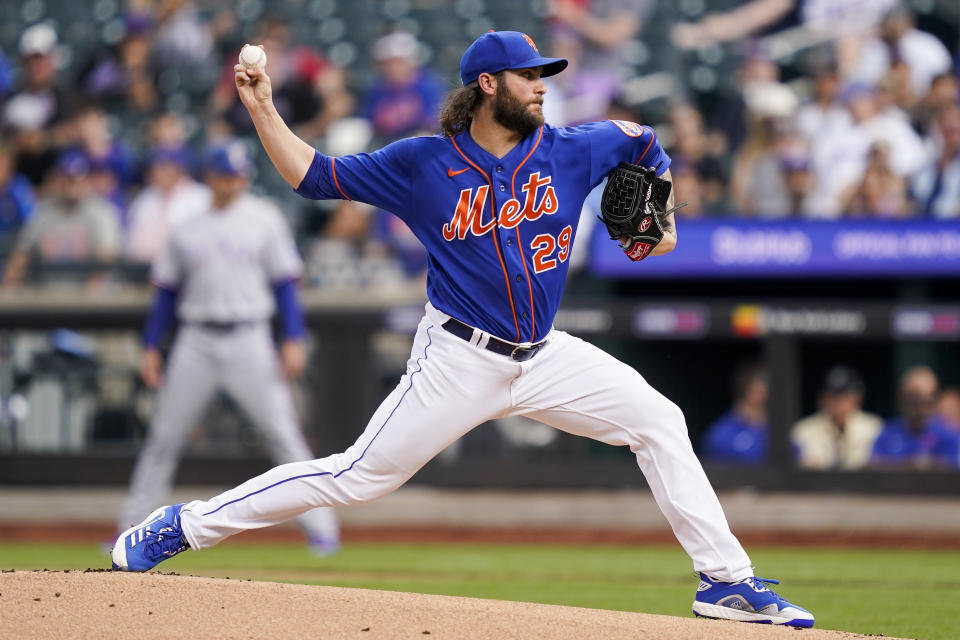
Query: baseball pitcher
x,y
495,200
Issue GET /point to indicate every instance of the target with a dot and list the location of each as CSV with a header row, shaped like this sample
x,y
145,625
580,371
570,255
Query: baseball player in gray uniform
x,y
223,273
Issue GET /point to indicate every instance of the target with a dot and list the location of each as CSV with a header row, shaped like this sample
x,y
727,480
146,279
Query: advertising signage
x,y
735,248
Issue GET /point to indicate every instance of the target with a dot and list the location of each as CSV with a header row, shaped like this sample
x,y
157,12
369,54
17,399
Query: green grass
x,y
911,594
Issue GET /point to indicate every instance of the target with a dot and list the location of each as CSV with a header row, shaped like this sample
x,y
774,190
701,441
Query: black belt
x,y
504,348
213,325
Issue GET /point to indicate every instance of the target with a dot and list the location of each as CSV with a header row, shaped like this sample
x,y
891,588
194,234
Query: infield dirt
x,y
48,605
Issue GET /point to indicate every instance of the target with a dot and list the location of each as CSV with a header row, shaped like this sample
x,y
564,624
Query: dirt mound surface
x,y
103,604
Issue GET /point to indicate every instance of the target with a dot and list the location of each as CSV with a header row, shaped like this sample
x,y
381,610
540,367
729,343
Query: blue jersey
x,y
898,444
733,439
498,231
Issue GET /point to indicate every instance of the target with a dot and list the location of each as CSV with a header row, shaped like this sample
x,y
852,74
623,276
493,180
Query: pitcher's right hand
x,y
253,85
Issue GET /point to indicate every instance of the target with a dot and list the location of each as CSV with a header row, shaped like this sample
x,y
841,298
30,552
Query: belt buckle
x,y
524,353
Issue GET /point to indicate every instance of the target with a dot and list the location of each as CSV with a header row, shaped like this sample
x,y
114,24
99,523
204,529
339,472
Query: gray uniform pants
x,y
243,363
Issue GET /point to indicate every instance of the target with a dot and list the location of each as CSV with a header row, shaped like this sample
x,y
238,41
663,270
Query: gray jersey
x,y
224,262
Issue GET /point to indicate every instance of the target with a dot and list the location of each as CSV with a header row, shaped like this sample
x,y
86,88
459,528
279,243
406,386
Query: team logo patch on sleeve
x,y
632,129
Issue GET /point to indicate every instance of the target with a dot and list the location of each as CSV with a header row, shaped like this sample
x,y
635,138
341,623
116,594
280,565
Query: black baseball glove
x,y
634,208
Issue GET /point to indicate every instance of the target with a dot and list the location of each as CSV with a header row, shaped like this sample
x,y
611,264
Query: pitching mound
x,y
102,604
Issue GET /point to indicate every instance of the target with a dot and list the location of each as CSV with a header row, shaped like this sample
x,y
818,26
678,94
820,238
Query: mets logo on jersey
x,y
530,42
468,216
632,129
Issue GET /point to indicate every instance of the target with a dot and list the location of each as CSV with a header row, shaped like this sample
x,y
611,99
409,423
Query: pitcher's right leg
x,y
254,379
190,381
449,388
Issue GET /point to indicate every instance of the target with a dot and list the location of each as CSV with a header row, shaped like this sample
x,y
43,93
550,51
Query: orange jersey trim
x,y
333,165
653,136
496,243
523,260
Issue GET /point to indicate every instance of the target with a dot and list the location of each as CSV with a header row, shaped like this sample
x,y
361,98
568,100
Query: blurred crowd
x,y
841,434
867,130
834,109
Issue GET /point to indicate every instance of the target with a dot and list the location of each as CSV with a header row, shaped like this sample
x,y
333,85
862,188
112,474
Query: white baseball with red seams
x,y
253,57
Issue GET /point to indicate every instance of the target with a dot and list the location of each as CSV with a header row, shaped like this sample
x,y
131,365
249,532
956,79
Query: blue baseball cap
x,y
229,157
498,50
73,162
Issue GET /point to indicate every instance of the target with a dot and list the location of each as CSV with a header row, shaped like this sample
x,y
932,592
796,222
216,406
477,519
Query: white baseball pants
x,y
244,364
450,387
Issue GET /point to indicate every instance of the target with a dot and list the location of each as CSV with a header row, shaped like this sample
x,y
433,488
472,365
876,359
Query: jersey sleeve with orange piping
x,y
382,178
616,141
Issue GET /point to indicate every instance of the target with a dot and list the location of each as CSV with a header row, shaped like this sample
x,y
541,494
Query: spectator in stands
x,y
918,438
823,115
38,89
314,94
71,225
17,201
936,187
699,171
182,36
943,94
948,408
902,48
841,160
166,130
34,113
796,167
688,182
405,97
878,120
170,197
121,77
740,435
895,93
880,193
729,114
112,160
758,182
592,36
840,435
30,144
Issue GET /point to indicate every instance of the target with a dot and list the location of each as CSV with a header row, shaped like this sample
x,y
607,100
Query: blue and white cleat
x,y
145,545
748,600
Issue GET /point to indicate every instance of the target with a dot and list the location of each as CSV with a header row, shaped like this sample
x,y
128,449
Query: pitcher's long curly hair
x,y
458,107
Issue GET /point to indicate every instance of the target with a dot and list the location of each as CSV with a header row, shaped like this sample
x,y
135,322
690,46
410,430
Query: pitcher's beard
x,y
514,115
